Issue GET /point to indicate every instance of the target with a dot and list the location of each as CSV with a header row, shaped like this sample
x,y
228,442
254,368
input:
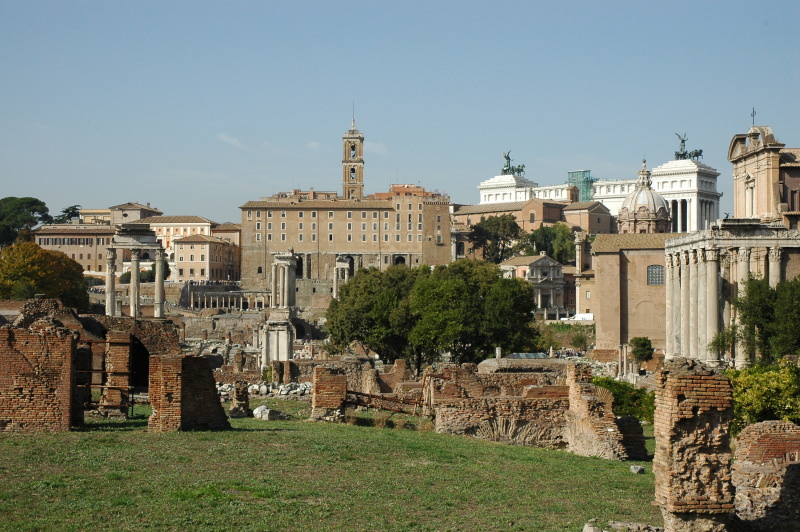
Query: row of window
x,y
77,241
331,214
301,227
88,256
300,238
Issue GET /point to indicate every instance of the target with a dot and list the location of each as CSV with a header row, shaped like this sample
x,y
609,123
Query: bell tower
x,y
353,163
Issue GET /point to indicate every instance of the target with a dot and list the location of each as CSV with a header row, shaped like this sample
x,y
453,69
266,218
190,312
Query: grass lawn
x,y
298,475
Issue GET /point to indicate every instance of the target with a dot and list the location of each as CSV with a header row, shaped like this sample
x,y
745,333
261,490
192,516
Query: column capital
x,y
135,254
712,254
775,254
744,255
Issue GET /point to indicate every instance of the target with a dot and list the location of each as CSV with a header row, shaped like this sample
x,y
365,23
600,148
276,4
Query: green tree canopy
x,y
26,269
642,348
495,237
147,276
18,216
466,308
558,241
765,392
68,214
768,319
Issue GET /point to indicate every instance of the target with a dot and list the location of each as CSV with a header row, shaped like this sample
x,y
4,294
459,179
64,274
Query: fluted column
x,y
677,341
111,294
712,302
273,286
134,291
685,328
742,356
158,304
774,266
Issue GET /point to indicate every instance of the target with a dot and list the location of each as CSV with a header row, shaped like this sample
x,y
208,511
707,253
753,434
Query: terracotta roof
x,y
523,260
134,205
580,205
606,243
339,204
228,226
509,206
199,238
77,228
176,220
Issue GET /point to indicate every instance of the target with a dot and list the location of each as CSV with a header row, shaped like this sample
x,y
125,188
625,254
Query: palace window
x,y
655,274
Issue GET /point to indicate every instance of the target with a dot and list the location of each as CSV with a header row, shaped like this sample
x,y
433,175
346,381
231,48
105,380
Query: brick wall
x,y
766,474
329,393
37,376
159,337
183,395
360,373
115,393
692,464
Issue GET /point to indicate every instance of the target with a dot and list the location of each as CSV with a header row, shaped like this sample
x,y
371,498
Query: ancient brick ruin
x,y
766,475
330,389
51,360
692,463
183,395
37,379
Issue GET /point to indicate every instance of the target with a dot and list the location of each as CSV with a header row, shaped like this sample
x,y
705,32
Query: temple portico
x,y
137,238
707,270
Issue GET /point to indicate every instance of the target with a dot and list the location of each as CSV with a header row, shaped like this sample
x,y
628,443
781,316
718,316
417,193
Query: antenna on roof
x,y
354,115
753,116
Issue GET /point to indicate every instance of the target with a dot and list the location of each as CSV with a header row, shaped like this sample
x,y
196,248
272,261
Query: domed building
x,y
644,210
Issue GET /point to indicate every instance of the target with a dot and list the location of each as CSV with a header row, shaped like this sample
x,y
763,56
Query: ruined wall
x,y
361,375
115,396
766,475
692,464
329,393
472,404
590,424
183,395
37,376
159,337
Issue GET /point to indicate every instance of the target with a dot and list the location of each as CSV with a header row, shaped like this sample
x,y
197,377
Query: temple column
x,y
668,347
677,339
702,332
712,302
111,294
273,286
774,266
158,304
743,273
134,291
693,351
685,302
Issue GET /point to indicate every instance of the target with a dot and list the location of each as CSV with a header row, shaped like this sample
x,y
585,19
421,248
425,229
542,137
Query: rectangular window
x,y
258,214
283,226
363,214
330,237
313,214
269,237
269,226
385,237
374,237
191,258
349,237
180,272
283,237
258,226
283,214
588,295
397,238
258,237
202,258
410,237
349,214
300,237
330,226
386,214
363,226
300,226
363,238
314,237
300,214
349,226
202,271
191,272
269,214
330,214
249,215
655,274
180,258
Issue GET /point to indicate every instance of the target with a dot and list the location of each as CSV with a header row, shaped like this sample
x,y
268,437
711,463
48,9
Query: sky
x,y
197,107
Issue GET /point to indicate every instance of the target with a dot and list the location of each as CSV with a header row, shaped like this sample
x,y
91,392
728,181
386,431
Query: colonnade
x,y
135,311
282,280
705,271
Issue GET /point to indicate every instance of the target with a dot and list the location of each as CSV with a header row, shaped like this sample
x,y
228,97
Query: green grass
x,y
297,475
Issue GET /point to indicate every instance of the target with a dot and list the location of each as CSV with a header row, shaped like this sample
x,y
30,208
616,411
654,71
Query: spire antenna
x,y
753,116
354,115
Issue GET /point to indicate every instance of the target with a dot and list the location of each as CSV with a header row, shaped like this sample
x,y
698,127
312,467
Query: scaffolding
x,y
584,181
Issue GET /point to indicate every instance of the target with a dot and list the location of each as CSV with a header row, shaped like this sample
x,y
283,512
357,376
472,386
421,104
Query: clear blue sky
x,y
197,107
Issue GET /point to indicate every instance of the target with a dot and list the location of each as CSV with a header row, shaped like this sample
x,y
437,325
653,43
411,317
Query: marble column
x,y
743,273
702,332
685,328
693,351
134,286
111,294
712,301
669,347
158,304
774,266
273,286
677,341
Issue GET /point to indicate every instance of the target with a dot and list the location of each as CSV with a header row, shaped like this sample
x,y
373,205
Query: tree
x,y
26,270
68,214
373,310
557,241
467,309
495,237
18,216
642,348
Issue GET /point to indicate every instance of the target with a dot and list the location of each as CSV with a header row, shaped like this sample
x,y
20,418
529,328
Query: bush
x,y
628,399
642,348
765,392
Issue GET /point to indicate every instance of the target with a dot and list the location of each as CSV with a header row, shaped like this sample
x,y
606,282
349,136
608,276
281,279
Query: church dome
x,y
644,210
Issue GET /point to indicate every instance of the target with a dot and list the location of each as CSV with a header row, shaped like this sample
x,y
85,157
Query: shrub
x,y
765,392
628,399
642,348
